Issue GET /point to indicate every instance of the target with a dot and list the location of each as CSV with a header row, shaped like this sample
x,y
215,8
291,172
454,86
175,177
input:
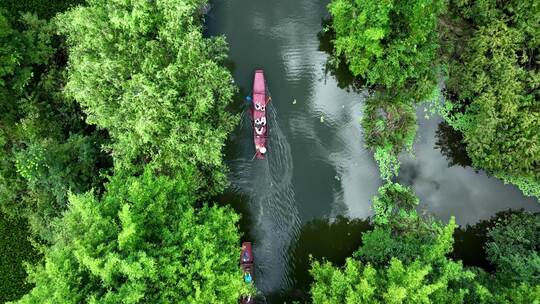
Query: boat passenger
x,y
259,107
260,121
262,150
259,130
247,277
245,256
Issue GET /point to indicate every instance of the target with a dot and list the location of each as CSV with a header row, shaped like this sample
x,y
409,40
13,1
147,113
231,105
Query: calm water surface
x,y
318,175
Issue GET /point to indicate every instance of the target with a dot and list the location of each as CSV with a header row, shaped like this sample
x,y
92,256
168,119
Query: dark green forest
x,y
111,154
114,115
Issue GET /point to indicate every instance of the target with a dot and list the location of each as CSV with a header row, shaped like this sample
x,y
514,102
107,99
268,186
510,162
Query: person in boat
x,y
246,300
259,130
247,277
262,150
259,107
260,121
245,254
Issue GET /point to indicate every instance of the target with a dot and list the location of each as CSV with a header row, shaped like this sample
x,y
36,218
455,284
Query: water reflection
x,y
339,71
451,144
461,191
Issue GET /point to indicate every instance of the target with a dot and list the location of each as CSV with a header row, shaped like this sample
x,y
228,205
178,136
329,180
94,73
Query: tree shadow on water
x,y
240,204
452,146
470,241
337,66
332,240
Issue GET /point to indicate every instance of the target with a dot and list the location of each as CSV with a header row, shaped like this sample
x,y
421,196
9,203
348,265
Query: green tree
x,y
403,260
142,242
143,71
20,52
389,125
14,250
493,86
395,267
417,282
390,43
514,246
48,149
400,233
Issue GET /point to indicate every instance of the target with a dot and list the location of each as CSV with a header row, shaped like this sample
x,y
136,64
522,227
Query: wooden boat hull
x,y
259,101
246,263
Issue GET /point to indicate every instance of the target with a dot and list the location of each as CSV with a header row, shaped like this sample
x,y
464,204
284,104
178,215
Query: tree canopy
x,y
493,86
15,249
47,147
405,260
393,45
390,43
514,248
143,71
143,241
396,264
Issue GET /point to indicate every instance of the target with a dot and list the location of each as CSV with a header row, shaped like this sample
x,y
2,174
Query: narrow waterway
x,y
313,193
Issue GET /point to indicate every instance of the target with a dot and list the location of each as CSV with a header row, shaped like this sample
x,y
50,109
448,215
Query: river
x,y
313,193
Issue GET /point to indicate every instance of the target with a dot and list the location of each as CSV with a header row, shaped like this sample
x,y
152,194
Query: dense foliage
x,y
14,250
390,126
143,71
43,9
47,147
493,86
418,282
390,43
403,260
142,242
514,248
145,88
491,49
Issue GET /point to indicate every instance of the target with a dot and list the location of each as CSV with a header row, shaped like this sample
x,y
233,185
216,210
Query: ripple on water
x,y
276,224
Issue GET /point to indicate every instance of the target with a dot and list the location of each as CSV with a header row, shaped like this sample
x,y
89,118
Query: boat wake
x,y
267,184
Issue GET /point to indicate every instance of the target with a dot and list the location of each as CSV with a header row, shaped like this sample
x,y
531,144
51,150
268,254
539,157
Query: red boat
x,y
246,262
260,101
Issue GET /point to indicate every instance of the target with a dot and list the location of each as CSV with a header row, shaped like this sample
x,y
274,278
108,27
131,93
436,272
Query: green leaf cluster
x,y
389,125
493,85
143,71
394,204
390,43
403,260
47,148
514,248
417,282
141,242
15,249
